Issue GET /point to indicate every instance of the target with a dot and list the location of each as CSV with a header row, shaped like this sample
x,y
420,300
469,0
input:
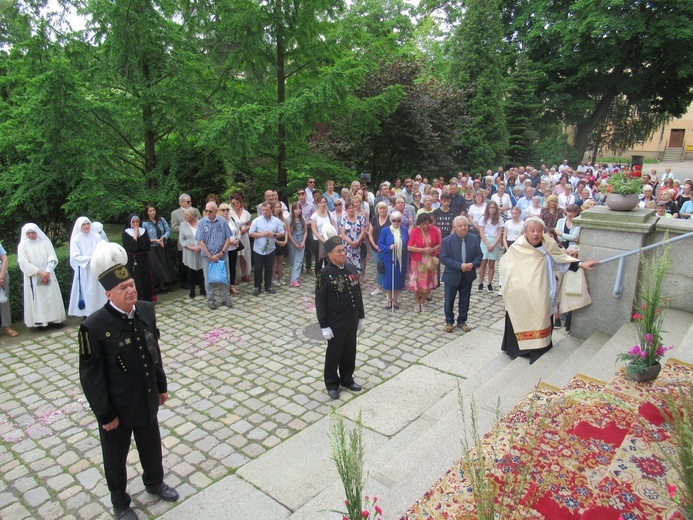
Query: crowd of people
x,y
408,230
396,232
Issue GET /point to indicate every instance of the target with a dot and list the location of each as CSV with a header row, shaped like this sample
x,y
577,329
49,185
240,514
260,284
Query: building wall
x,y
661,140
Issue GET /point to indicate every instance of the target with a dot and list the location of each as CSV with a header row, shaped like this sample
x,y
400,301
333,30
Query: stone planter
x,y
616,202
648,375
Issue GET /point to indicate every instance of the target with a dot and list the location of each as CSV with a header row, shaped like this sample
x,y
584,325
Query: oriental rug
x,y
591,451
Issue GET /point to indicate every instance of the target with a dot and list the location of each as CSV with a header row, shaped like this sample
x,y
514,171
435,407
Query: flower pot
x,y
648,375
616,202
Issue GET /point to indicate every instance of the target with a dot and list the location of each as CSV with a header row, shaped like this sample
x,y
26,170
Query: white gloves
x,y
327,333
362,325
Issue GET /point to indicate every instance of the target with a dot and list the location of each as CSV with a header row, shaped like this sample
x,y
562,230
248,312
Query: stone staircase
x,y
672,155
413,425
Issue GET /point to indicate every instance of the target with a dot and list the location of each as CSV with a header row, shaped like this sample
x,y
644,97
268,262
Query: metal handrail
x,y
618,285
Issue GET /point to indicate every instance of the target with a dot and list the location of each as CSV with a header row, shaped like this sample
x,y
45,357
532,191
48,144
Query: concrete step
x,y
683,350
602,366
510,385
578,361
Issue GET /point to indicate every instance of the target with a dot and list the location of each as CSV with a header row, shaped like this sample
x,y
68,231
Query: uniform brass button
x,y
149,390
145,365
142,357
146,373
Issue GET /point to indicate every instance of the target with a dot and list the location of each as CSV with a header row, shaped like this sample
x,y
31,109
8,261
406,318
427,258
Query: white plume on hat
x,y
328,230
106,255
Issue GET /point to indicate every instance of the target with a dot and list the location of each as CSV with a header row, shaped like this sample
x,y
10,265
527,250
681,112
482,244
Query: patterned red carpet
x,y
591,451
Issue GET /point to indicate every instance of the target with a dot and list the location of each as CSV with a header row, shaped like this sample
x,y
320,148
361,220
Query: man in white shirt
x,y
310,186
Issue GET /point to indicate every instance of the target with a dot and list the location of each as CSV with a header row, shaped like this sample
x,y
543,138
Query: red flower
x,y
637,316
365,514
380,511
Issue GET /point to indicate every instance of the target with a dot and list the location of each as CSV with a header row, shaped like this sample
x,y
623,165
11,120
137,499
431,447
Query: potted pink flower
x,y
642,361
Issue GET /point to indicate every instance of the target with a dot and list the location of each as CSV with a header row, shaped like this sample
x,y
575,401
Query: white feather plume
x,y
106,255
328,230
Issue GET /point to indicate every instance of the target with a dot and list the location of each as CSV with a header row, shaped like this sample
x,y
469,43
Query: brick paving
x,y
241,381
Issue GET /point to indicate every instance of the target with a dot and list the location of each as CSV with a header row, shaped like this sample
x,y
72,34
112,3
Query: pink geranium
x,y
635,351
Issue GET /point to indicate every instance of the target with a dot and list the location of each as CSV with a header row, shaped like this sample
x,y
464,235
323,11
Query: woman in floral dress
x,y
352,230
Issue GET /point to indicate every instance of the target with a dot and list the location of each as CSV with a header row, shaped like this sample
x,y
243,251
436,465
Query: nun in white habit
x,y
87,293
43,303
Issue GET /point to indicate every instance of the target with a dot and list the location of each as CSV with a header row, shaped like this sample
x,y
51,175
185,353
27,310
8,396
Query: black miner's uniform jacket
x,y
120,364
338,301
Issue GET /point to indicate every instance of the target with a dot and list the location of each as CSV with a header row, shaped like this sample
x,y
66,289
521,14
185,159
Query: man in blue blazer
x,y
460,271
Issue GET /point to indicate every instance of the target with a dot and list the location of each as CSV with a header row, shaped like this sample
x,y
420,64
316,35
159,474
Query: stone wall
x,y
607,233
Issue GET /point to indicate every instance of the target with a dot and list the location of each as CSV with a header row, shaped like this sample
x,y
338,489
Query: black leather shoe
x,y
270,291
334,394
354,387
256,292
125,514
164,492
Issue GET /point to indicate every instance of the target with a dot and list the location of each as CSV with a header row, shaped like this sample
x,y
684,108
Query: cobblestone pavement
x,y
241,381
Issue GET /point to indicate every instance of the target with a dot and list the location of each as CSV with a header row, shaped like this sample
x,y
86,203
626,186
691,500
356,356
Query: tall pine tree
x,y
477,64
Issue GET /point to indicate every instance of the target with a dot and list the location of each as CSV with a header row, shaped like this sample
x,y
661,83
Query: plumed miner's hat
x,y
108,264
331,243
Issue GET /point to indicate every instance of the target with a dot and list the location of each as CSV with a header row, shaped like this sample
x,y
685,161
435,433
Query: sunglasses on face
x,y
396,220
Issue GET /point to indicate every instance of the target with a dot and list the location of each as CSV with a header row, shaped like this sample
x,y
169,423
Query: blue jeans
x,y
296,256
380,276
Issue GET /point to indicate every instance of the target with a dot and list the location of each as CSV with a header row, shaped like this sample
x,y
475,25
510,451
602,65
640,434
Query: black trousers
x,y
340,358
115,446
233,257
196,278
263,263
309,250
182,270
319,262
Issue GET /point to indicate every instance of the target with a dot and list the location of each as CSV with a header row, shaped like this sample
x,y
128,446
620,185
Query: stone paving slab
x,y
301,467
232,498
242,381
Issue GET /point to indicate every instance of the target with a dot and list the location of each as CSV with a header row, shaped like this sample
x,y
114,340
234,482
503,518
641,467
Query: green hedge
x,y
63,273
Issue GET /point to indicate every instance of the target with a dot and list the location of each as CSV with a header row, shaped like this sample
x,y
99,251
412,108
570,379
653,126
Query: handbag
x,y
432,263
216,273
240,247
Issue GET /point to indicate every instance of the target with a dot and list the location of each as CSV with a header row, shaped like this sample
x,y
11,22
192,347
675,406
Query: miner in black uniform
x,y
123,379
339,307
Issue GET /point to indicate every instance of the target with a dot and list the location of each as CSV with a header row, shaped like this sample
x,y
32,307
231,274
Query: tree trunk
x,y
149,137
583,130
281,97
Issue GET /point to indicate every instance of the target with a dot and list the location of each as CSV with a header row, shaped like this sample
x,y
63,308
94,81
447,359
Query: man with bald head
x,y
461,254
